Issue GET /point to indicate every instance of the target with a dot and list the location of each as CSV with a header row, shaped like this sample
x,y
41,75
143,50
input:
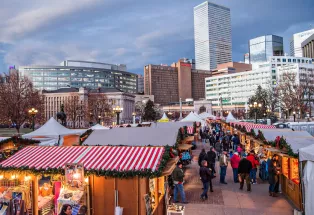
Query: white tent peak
x,y
164,116
192,117
98,127
206,115
230,118
51,128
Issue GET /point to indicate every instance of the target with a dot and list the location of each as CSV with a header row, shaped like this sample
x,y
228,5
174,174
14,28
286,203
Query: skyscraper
x,y
212,35
261,48
296,41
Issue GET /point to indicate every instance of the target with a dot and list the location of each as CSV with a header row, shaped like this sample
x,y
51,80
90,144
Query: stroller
x,y
185,158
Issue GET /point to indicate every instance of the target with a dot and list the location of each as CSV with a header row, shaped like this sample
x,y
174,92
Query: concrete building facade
x,y
308,47
296,42
212,35
54,99
140,84
170,83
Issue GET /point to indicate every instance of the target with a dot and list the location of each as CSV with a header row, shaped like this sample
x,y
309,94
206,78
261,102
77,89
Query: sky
x,y
132,32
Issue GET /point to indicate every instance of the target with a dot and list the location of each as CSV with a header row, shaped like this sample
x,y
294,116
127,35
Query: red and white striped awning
x,y
190,129
120,158
250,126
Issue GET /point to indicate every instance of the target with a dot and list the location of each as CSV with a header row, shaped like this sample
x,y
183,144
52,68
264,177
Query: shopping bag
x,y
118,211
239,178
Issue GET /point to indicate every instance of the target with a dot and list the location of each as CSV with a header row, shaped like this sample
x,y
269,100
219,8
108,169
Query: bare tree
x,y
17,96
291,94
99,108
75,109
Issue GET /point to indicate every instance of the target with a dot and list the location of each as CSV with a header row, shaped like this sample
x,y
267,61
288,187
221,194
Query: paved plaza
x,y
228,199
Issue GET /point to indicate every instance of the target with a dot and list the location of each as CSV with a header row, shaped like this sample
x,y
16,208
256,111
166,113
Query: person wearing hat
x,y
178,176
235,160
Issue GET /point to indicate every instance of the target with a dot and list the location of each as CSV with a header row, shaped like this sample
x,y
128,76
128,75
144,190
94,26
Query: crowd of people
x,y
226,148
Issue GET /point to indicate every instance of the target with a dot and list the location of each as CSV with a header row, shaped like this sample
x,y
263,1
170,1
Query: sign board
x,y
185,64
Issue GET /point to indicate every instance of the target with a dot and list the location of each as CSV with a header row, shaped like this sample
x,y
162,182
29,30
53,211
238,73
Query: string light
x,y
1,177
86,180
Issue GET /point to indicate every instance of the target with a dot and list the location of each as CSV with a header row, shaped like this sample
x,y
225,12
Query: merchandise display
x,y
285,166
294,170
45,199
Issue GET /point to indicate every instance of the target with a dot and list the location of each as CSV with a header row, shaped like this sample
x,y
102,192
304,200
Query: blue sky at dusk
x,y
132,32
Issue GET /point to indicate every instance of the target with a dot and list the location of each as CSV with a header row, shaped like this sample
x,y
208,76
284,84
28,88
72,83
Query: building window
x,y
302,61
284,60
289,60
278,59
299,61
294,60
274,71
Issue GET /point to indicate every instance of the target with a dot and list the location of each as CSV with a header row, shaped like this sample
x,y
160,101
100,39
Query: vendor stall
x,y
92,176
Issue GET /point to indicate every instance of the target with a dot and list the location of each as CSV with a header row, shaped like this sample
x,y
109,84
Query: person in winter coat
x,y
211,160
272,176
236,142
223,161
255,163
235,160
203,136
201,157
218,148
244,170
178,176
206,178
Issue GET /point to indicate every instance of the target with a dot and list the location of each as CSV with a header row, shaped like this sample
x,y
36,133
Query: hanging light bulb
x,y
1,177
86,180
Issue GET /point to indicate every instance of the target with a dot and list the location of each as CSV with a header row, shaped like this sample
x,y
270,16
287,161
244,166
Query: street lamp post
x,y
118,110
33,113
255,107
99,117
133,114
293,116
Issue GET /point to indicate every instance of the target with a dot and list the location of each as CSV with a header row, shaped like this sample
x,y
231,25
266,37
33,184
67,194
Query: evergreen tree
x,y
149,111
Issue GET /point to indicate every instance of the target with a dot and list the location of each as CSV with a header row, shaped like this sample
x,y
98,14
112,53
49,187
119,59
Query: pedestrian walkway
x,y
228,199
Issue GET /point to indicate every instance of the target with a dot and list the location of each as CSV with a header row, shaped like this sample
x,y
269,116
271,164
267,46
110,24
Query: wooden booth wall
x,y
292,190
131,196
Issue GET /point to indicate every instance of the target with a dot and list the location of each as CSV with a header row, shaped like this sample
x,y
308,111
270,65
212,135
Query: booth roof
x,y
171,125
92,157
230,118
307,153
142,136
206,115
52,128
296,139
98,127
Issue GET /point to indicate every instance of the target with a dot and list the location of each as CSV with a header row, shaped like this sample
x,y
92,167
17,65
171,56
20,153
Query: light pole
x,y
117,110
33,113
133,114
99,117
293,116
255,107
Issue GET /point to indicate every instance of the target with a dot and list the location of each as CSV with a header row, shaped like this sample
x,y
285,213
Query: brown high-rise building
x,y
170,83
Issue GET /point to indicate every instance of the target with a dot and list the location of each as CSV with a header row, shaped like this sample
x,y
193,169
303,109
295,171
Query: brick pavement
x,y
228,199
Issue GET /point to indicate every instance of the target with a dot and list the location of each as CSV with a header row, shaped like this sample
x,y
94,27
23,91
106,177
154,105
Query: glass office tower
x,y
81,74
261,48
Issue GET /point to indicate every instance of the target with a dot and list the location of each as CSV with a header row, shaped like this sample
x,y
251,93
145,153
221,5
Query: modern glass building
x,y
212,35
296,42
261,48
81,74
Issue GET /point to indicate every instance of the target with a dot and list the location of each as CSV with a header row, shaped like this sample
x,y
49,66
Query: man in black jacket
x,y
211,160
244,170
201,157
206,178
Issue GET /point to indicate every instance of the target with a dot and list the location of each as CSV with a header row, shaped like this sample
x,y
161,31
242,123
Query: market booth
x,y
53,133
39,180
290,178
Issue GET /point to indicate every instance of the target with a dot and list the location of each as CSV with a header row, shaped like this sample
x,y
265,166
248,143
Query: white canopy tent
x,y
51,132
230,118
98,127
164,118
192,117
206,115
307,154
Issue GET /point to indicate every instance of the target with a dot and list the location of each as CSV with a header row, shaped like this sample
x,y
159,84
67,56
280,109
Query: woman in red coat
x,y
235,160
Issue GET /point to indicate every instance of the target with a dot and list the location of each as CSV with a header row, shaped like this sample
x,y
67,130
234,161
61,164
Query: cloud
x,y
40,16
